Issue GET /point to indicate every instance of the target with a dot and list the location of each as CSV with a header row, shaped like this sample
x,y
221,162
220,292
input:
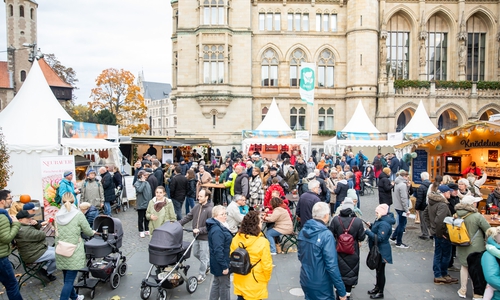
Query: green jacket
x,y
476,227
31,243
167,213
69,226
7,233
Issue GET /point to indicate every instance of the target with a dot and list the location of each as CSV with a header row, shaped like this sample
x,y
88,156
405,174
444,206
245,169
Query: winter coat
x,y
92,192
301,169
256,191
491,267
191,191
108,186
421,195
153,183
66,186
476,226
348,263
253,286
158,173
331,185
281,219
8,232
30,243
91,214
143,194
241,185
219,243
341,190
199,215
319,271
166,213
69,227
305,205
384,189
292,179
394,165
400,195
357,180
494,198
382,227
178,187
118,179
310,165
435,212
234,217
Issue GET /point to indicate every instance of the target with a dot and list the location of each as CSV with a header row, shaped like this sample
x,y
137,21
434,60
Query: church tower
x,y
21,17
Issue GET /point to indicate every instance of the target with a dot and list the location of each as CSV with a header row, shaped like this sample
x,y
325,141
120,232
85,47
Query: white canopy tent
x,y
420,124
30,124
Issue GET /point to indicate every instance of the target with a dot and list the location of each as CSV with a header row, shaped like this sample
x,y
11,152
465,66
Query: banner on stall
x,y
53,168
83,130
307,82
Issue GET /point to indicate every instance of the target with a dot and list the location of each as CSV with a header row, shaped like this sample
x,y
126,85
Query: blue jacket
x,y
66,186
383,229
305,205
219,243
91,214
491,268
319,272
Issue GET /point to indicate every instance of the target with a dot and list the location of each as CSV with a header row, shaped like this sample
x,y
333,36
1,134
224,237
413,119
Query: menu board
x,y
419,165
129,188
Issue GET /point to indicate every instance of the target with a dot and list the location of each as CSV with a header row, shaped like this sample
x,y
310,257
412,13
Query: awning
x,y
89,144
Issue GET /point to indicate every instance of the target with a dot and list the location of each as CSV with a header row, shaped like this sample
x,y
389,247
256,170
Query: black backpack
x,y
240,261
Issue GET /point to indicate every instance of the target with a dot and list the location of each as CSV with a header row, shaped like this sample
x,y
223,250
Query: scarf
x,y
243,209
6,213
159,205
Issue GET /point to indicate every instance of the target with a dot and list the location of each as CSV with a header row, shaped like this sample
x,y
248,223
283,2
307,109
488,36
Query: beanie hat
x,y
348,203
67,173
90,171
382,209
444,188
351,193
387,171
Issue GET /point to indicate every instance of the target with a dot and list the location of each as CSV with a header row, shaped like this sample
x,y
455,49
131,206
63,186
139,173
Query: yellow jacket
x,y
258,248
230,184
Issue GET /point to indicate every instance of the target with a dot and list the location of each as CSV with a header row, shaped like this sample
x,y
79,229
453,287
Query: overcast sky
x,y
93,35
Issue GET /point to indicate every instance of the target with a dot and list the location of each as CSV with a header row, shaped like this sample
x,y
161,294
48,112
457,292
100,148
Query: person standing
x,y
340,191
401,201
307,200
92,191
331,185
178,191
421,203
191,192
9,227
319,271
394,165
70,223
160,210
219,243
291,178
256,189
109,189
66,185
199,215
385,187
143,195
381,228
241,183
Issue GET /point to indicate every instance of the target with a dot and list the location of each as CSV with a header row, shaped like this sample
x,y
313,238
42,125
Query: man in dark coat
x,y
385,187
421,203
307,201
301,168
109,189
158,172
178,191
394,165
324,193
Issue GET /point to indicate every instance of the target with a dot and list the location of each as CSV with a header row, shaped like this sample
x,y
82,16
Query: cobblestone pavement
x,y
410,277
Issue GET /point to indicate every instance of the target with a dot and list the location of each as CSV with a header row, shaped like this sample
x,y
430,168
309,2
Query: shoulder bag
x,y
64,248
374,257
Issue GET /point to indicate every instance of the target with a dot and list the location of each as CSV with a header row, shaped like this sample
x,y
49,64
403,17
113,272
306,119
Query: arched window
x,y
437,48
32,13
213,64
21,11
269,68
298,57
23,75
325,69
325,118
297,118
476,48
398,47
11,10
264,112
448,119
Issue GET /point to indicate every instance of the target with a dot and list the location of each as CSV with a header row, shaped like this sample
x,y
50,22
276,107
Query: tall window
x,y
213,64
325,118
11,10
32,13
213,12
398,47
269,68
264,112
326,22
476,48
23,75
269,21
297,58
21,11
325,69
297,118
175,62
437,49
298,22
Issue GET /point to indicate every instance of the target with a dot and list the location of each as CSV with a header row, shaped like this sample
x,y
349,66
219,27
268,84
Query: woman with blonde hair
x,y
70,223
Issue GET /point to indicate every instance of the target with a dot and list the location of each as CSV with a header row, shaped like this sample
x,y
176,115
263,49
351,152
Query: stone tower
x,y
21,17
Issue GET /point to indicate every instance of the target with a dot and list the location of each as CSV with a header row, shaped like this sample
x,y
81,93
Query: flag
x,y
307,82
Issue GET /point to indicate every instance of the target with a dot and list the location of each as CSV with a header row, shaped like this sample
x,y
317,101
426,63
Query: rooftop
x,y
51,76
4,75
156,90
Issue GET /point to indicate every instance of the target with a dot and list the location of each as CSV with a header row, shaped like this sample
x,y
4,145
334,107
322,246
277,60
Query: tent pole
x,y
310,132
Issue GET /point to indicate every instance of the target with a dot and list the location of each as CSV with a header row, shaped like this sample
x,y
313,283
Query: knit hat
x,y
67,173
311,176
90,171
351,193
387,171
469,200
347,203
382,209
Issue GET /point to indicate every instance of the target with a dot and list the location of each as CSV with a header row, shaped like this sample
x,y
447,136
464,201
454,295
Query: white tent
x,y
420,124
360,122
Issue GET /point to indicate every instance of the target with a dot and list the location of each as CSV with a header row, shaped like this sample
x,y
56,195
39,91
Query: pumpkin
x,y
25,198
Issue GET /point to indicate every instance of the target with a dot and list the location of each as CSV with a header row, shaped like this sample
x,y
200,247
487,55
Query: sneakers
x,y
461,293
146,233
440,280
450,279
273,253
392,240
402,246
207,271
141,234
423,237
201,278
477,297
80,297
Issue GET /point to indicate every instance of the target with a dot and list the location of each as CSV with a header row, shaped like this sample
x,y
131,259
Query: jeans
x,y
221,288
359,202
107,208
423,225
50,257
167,189
189,204
8,279
442,253
68,291
201,252
398,233
327,199
178,208
270,234
143,222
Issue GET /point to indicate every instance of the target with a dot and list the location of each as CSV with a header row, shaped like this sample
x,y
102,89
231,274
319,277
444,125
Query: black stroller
x,y
105,261
167,254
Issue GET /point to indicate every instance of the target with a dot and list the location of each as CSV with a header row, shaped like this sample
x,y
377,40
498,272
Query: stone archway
x,y
448,119
404,118
485,116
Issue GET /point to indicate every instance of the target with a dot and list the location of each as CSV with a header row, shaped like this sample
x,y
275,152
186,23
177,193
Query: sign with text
x,y
419,165
83,130
53,168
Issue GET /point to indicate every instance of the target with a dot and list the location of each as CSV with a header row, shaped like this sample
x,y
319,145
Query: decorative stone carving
x,y
211,104
423,28
421,53
462,34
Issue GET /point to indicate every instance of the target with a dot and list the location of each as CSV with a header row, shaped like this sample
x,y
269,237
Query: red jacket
x,y
357,182
269,192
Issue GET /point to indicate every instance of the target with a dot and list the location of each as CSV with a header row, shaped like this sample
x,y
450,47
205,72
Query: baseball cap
x,y
24,214
29,206
444,188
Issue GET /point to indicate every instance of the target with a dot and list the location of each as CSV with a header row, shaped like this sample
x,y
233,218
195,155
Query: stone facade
x,y
231,58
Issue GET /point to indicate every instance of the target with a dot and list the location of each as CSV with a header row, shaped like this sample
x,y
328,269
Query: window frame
x,y
326,115
297,117
326,69
269,68
213,64
214,13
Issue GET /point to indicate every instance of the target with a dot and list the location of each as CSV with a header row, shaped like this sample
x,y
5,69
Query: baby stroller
x,y
105,261
167,254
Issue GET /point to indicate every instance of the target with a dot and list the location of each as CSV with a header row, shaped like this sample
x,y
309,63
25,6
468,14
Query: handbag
x,y
374,257
64,248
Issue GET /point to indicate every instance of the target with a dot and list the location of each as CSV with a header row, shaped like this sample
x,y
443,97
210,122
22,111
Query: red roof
x,y
51,76
4,75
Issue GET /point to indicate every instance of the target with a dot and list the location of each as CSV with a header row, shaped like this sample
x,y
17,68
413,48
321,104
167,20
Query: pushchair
x,y
105,261
167,255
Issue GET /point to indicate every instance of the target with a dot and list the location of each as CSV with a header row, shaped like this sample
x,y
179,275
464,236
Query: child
x,y
491,232
160,210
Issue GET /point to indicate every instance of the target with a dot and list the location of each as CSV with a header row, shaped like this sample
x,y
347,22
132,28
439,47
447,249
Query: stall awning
x,y
274,141
89,144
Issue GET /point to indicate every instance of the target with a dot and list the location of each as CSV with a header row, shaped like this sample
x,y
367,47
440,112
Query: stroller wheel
x,y
92,294
114,281
192,284
122,269
162,295
145,292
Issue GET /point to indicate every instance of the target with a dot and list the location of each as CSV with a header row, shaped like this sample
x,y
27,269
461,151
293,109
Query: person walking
x,y
347,221
401,198
421,204
70,223
381,228
385,187
191,192
307,200
160,210
219,243
253,286
143,195
178,191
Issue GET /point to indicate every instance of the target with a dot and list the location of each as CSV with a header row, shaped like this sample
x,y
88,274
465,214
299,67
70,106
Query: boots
x,y
374,291
377,296
278,248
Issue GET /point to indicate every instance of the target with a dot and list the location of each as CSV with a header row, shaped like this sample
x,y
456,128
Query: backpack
x,y
345,241
239,262
457,231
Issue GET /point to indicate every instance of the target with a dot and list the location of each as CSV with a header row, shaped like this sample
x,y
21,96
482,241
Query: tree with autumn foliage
x,y
5,168
117,93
